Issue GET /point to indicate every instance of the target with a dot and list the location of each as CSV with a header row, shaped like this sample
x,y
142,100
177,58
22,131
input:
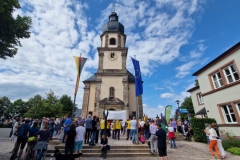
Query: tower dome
x,y
113,24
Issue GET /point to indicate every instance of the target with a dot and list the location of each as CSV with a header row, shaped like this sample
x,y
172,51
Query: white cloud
x,y
184,69
166,95
152,112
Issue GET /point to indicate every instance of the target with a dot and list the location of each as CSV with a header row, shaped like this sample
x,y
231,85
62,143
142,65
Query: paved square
x,y
185,150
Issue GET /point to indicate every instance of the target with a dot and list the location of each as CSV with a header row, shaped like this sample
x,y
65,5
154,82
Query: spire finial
x,y
114,5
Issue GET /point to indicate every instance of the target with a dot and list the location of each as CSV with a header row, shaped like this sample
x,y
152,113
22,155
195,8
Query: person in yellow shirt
x,y
118,128
128,129
102,127
108,129
113,130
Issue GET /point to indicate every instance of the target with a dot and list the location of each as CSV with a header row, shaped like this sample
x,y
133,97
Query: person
x,y
207,136
171,136
189,133
102,127
128,129
142,138
133,124
70,139
219,142
62,128
113,130
161,141
123,127
153,142
14,129
98,129
142,126
51,124
213,141
88,129
174,124
41,146
80,134
32,140
104,143
66,126
118,128
146,129
94,131
23,133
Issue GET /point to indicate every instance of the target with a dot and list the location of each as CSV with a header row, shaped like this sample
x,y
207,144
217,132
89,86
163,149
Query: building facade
x,y
112,87
219,90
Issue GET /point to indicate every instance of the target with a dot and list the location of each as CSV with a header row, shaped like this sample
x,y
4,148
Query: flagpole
x,y
75,94
137,141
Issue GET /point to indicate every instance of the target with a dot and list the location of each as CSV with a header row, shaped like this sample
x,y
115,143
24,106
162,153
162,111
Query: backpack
x,y
22,131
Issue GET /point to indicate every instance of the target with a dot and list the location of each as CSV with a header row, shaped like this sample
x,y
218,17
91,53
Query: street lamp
x,y
177,101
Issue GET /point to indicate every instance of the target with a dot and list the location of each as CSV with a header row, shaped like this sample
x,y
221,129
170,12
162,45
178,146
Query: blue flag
x,y
138,78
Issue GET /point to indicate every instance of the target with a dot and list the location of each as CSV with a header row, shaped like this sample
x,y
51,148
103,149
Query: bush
x,y
228,143
2,125
198,126
234,150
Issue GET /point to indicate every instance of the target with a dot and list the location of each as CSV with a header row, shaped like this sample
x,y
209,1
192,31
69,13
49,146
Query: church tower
x,y
112,87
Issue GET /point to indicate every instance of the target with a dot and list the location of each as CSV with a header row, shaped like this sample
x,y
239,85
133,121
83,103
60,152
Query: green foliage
x,y
2,125
67,104
198,126
196,83
234,150
187,103
17,108
4,102
12,29
229,139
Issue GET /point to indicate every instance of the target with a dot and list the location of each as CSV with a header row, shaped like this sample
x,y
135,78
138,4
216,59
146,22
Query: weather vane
x,y
114,5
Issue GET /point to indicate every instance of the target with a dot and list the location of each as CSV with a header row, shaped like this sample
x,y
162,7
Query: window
x,y
200,98
228,114
238,108
217,80
112,41
231,74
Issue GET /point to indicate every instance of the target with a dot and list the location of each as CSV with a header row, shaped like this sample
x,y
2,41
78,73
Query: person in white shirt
x,y
80,134
153,142
133,124
213,141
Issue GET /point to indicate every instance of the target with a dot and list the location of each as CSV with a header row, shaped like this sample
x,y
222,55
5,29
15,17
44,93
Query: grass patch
x,y
234,150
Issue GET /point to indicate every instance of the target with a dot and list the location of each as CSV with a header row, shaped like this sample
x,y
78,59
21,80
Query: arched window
x,y
112,41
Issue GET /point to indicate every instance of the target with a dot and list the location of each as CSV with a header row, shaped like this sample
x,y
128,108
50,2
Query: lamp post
x,y
177,101
35,108
179,116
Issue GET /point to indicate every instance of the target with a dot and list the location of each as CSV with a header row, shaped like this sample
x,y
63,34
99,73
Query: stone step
x,y
140,146
109,154
97,150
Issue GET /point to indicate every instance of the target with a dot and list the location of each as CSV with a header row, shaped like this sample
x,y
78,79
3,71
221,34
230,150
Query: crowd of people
x,y
76,132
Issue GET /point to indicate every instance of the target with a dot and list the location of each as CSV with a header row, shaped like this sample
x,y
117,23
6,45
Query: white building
x,y
219,90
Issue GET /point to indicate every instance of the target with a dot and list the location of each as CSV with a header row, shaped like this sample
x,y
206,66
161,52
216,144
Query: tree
x,y
187,103
196,83
17,109
12,29
33,104
67,104
4,104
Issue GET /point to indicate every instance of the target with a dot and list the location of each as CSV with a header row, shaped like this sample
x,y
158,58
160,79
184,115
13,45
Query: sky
x,y
172,39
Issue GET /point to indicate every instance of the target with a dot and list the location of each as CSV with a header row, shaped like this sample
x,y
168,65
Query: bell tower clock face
x,y
112,56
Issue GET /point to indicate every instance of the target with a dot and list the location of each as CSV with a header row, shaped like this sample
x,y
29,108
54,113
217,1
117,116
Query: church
x,y
112,87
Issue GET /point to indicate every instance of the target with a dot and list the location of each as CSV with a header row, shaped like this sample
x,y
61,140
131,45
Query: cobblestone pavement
x,y
185,150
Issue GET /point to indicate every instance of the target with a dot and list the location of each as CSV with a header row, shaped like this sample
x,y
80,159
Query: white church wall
x,y
91,97
112,81
116,64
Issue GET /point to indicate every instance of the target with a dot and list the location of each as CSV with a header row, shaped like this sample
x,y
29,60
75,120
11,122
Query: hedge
x,y
9,125
198,126
234,150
